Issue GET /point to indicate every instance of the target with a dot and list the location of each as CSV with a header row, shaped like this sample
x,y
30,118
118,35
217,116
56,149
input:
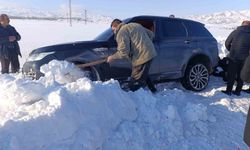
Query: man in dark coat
x,y
9,47
247,130
238,45
136,44
245,72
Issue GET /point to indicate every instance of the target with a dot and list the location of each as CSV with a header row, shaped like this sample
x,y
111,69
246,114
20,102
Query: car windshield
x,y
107,34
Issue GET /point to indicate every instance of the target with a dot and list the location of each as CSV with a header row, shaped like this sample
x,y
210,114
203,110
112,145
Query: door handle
x,y
187,42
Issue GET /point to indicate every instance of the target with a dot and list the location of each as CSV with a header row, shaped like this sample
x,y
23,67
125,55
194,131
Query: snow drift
x,y
46,114
64,110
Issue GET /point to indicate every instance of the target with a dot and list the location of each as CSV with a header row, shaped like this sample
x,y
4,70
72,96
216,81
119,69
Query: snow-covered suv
x,y
186,51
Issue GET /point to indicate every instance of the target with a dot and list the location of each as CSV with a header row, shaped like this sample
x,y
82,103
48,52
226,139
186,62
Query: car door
x,y
120,69
174,44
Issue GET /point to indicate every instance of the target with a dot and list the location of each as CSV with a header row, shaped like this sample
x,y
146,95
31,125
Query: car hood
x,y
75,46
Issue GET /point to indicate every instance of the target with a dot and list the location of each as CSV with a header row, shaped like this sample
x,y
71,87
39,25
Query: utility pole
x,y
70,13
85,13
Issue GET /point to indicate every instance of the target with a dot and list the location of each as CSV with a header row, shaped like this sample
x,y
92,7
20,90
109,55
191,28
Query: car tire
x,y
92,74
196,76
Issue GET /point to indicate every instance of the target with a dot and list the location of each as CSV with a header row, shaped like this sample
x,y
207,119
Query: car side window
x,y
196,29
172,29
146,24
149,24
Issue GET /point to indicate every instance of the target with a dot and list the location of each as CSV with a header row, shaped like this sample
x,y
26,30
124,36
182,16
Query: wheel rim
x,y
199,77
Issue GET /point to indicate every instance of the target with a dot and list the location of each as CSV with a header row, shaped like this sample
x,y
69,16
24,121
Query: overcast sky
x,y
127,8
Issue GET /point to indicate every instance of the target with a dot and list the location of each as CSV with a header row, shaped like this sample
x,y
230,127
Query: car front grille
x,y
31,73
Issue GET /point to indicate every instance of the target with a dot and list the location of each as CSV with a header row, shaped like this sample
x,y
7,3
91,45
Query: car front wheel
x,y
92,74
196,77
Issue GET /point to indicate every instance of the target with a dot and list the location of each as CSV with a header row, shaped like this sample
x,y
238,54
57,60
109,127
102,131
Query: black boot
x,y
229,93
247,91
237,93
151,85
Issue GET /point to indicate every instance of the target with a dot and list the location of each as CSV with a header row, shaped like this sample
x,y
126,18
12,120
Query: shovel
x,y
97,62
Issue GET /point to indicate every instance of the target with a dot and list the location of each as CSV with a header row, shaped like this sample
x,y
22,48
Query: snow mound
x,y
223,52
73,115
62,72
64,110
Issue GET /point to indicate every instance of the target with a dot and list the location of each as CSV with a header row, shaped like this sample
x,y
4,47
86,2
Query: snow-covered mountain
x,y
78,13
223,17
19,11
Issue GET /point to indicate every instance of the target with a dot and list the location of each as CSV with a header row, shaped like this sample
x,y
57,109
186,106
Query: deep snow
x,y
60,111
64,110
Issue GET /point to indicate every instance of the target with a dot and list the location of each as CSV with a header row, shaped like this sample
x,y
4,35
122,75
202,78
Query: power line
x,y
85,13
70,13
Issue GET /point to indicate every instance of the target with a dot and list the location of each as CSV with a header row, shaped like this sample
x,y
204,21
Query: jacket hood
x,y
244,28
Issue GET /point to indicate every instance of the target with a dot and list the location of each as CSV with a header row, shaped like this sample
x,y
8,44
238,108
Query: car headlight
x,y
39,56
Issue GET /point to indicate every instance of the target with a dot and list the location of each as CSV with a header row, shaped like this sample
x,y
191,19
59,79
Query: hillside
x,y
226,17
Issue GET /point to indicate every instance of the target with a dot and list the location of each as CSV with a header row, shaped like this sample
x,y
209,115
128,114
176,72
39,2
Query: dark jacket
x,y
7,48
135,43
247,130
238,43
245,72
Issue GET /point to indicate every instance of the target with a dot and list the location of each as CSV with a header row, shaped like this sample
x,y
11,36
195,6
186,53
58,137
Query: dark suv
x,y
186,51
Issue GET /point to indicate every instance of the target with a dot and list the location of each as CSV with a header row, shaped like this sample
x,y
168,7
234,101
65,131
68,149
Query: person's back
x,y
142,47
239,45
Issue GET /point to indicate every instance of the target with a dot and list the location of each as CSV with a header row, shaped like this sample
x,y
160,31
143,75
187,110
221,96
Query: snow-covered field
x,y
65,111
37,33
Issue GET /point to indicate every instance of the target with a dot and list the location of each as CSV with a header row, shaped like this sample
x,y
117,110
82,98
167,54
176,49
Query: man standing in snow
x,y
238,45
135,43
9,48
245,73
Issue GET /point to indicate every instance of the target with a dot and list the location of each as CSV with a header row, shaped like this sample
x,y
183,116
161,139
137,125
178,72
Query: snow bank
x,y
64,110
48,114
61,72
